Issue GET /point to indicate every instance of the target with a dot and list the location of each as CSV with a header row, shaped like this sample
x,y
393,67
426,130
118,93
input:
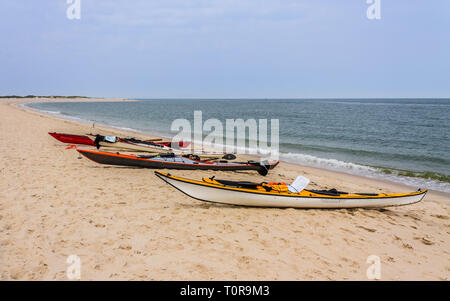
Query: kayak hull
x,y
176,162
72,139
245,197
122,144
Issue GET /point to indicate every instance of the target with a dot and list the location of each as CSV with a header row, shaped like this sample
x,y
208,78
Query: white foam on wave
x,y
58,114
123,128
363,170
417,182
50,112
325,163
222,147
26,105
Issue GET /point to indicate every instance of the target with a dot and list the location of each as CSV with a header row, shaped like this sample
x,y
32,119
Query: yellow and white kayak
x,y
281,195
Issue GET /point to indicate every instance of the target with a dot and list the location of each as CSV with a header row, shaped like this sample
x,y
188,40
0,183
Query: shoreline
x,y
441,196
126,224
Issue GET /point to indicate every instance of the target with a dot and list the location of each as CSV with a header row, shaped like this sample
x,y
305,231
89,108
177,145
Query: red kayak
x,y
72,139
78,139
168,144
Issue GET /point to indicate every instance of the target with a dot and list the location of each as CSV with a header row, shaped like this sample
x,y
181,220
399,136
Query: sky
x,y
226,49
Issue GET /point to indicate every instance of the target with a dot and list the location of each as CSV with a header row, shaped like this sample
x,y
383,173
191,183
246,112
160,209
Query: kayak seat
x,y
368,194
167,155
134,140
332,192
277,186
272,186
146,156
238,184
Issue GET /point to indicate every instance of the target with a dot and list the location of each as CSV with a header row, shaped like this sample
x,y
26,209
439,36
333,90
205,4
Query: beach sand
x,y
126,224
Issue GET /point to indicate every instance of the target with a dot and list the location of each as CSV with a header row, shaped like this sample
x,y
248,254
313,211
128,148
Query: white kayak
x,y
282,195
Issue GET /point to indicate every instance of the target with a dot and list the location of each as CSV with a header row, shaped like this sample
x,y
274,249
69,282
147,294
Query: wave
x,y
358,152
123,128
429,180
51,112
60,114
323,162
27,105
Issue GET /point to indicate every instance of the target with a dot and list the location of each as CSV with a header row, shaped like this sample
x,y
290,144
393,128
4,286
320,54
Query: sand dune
x,y
126,224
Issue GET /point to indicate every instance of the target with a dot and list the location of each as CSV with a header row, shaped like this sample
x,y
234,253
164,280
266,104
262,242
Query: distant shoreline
x,y
227,98
36,96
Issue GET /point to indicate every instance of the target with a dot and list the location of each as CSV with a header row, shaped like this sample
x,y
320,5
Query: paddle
x,y
155,139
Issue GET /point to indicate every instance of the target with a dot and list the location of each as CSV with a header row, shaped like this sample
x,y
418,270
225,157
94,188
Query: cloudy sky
x,y
226,48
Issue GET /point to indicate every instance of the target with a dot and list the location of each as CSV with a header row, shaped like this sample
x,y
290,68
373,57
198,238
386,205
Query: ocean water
x,y
402,140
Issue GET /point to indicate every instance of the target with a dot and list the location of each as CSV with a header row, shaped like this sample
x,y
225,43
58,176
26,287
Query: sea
x,y
405,141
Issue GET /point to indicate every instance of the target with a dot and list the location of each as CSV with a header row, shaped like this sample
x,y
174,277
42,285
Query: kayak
x,y
135,145
282,195
130,144
138,144
72,139
172,161
180,144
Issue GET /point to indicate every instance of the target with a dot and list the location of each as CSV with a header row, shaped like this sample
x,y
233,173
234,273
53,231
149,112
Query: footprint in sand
x,y
440,216
426,241
367,229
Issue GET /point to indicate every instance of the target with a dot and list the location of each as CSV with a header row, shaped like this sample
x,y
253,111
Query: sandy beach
x,y
126,224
